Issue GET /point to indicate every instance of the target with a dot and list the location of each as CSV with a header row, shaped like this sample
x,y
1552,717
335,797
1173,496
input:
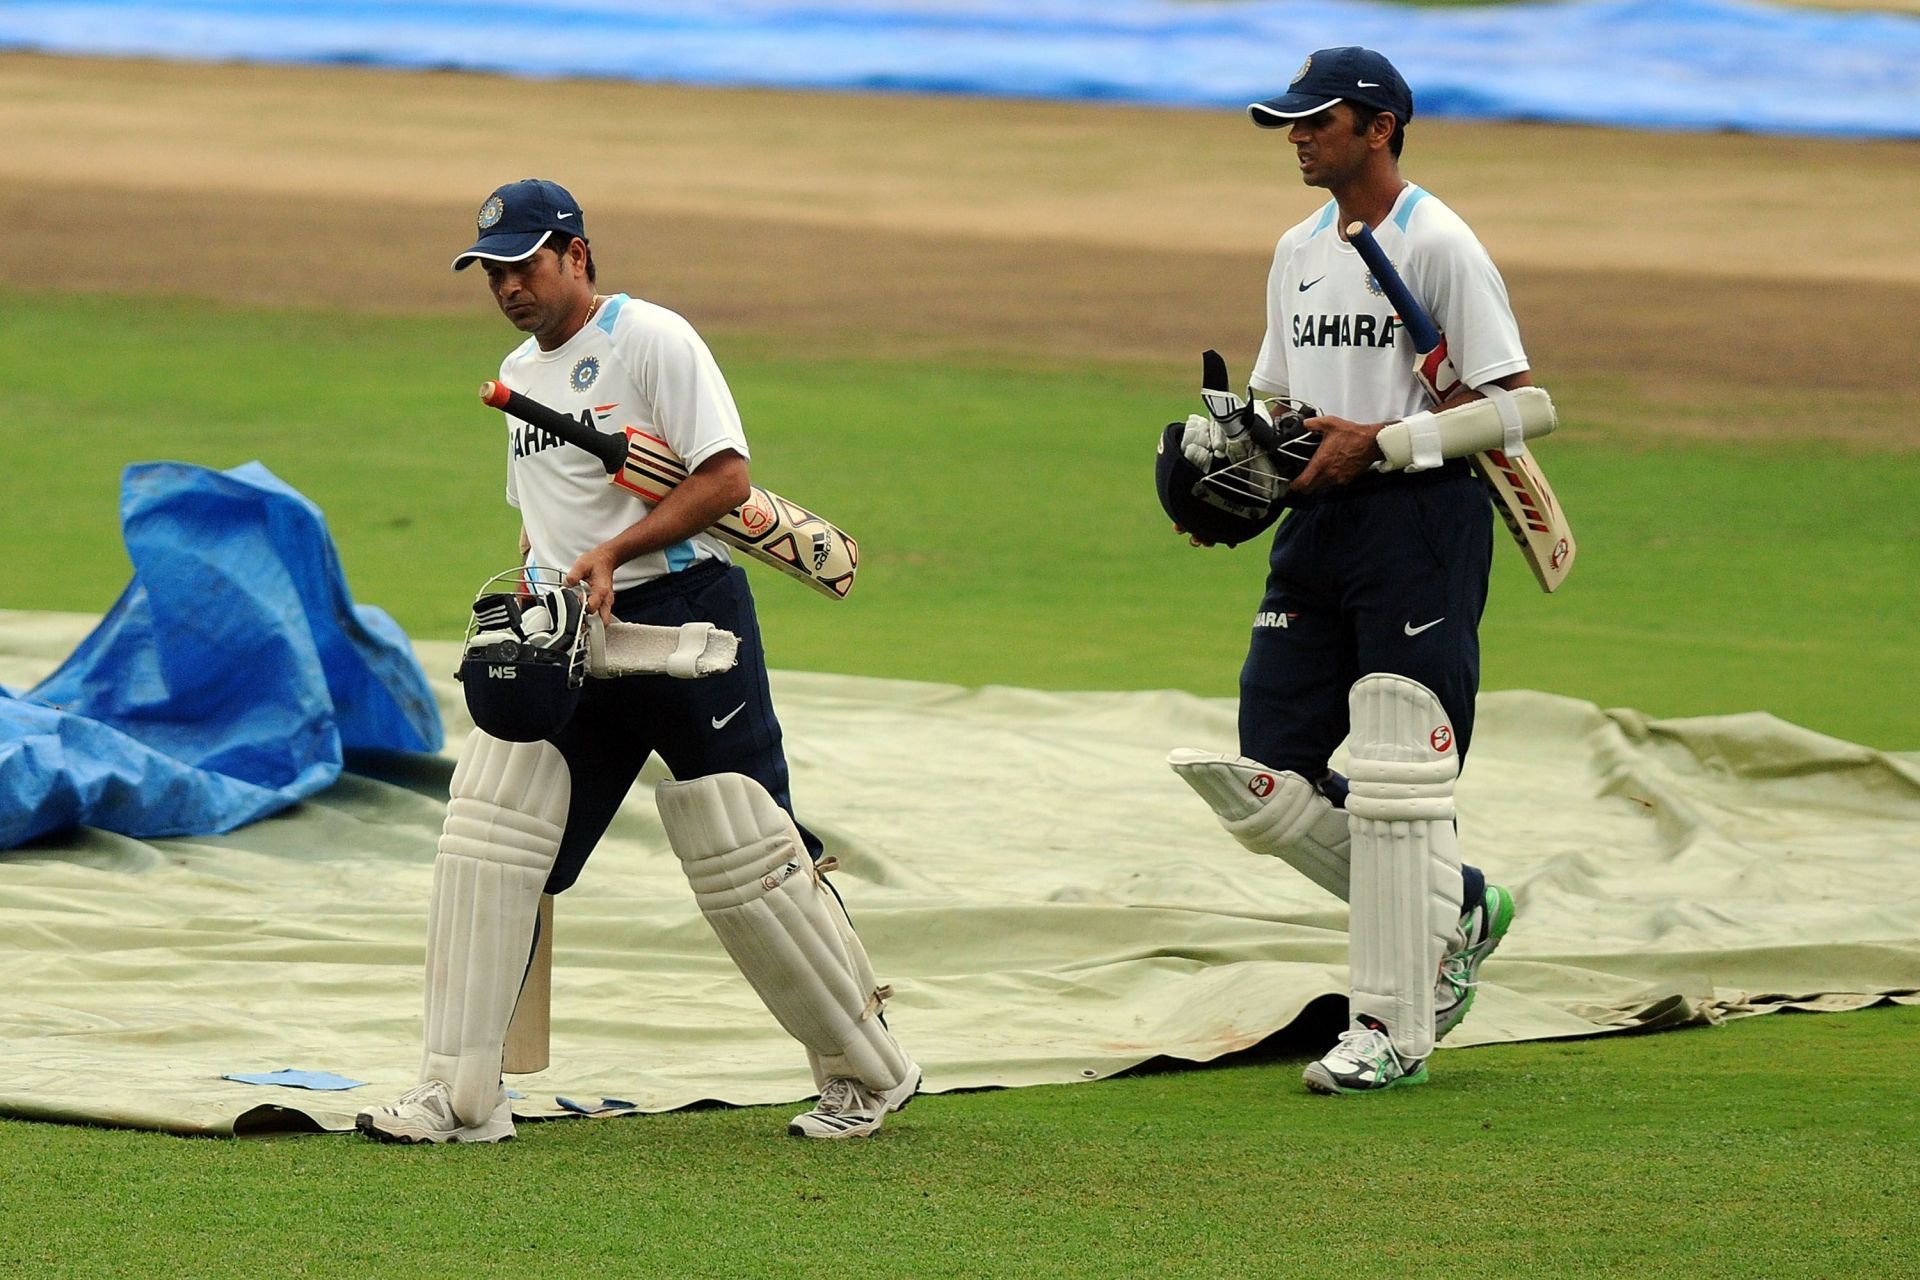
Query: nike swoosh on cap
x,y
1358,84
563,215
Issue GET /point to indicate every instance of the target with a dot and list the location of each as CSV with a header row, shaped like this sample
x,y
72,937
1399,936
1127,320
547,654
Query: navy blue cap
x,y
1346,74
517,218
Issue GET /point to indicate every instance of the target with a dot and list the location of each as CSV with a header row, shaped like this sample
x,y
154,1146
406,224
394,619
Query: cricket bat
x,y
766,526
1518,487
530,1033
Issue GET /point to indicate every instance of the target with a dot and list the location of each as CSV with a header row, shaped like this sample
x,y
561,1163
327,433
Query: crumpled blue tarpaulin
x,y
225,682
1660,64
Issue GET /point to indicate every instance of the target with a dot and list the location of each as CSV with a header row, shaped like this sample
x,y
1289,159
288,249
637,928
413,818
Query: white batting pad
x,y
507,809
1406,862
1504,420
635,648
1271,812
783,926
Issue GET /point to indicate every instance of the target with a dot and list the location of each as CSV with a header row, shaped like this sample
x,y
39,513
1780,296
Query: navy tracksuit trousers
x,y
719,724
1387,575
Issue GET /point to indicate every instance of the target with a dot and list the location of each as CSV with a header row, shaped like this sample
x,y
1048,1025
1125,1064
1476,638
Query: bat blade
x,y
772,529
529,1035
1531,510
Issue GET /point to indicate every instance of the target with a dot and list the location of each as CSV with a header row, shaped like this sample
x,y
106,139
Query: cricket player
x,y
526,814
1376,582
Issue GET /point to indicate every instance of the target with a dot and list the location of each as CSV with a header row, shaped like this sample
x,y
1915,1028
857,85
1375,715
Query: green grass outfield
x,y
1777,1147
1011,536
1006,515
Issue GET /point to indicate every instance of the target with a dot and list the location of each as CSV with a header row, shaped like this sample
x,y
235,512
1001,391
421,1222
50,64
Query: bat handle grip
x,y
611,450
1420,325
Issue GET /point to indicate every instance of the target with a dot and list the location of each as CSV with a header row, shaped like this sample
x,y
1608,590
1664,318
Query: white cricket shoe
x,y
848,1109
424,1113
1364,1061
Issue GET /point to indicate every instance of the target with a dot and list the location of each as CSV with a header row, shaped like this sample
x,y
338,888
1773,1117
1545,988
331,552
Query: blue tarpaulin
x,y
1666,64
225,683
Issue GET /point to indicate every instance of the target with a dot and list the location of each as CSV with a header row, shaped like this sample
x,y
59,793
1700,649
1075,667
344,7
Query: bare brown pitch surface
x,y
1670,264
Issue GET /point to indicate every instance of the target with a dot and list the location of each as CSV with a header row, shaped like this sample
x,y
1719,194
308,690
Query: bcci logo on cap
x,y
491,212
1301,74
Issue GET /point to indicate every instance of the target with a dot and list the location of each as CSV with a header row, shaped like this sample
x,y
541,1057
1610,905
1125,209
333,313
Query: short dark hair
x,y
1363,118
561,241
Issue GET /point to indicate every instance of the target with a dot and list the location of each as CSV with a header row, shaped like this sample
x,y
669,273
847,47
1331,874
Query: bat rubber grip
x,y
1420,325
611,450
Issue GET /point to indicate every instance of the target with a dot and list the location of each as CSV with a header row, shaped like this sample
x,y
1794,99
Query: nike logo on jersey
x,y
1308,284
1361,330
1412,630
720,722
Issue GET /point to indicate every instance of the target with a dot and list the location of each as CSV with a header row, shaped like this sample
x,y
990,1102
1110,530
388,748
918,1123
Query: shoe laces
x,y
1456,970
840,1095
1456,966
430,1094
1365,1045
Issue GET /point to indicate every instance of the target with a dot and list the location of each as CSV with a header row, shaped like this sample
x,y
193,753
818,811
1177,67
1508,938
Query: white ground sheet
x,y
1051,903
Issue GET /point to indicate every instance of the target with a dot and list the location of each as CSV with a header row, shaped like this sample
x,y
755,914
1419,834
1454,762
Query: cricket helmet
x,y
1230,502
524,659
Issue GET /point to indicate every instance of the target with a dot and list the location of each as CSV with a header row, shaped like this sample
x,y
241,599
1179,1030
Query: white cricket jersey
x,y
633,364
1333,339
